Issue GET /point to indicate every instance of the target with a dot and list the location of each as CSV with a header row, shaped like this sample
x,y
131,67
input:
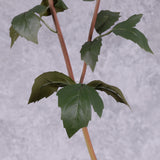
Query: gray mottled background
x,y
35,131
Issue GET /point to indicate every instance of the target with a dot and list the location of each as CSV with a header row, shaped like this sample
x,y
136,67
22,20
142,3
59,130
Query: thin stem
x,y
89,144
85,130
90,36
66,57
47,26
61,39
103,35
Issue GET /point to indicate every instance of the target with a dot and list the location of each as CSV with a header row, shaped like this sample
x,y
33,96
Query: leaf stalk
x,y
46,25
103,35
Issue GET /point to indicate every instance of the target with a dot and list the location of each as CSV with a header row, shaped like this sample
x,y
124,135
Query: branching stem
x,y
68,65
85,130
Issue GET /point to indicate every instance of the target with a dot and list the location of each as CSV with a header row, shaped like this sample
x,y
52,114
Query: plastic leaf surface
x,y
40,9
90,52
125,29
105,19
75,102
60,6
130,22
113,91
47,83
25,25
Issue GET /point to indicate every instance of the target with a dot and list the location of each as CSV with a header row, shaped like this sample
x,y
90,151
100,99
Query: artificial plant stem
x,y
69,68
90,36
85,130
61,39
89,144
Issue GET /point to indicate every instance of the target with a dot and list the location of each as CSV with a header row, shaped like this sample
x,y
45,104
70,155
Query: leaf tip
x,y
129,106
151,51
140,15
30,101
11,45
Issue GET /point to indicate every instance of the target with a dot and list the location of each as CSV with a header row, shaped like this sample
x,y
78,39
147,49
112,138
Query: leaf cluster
x,y
76,100
27,24
126,29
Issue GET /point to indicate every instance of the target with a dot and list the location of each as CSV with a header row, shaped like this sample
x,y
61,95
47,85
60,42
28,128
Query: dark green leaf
x,y
105,19
125,29
90,52
110,90
40,9
75,102
134,35
48,83
130,22
14,35
26,25
60,6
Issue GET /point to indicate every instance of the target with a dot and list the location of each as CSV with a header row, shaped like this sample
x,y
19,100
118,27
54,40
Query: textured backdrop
x,y
35,131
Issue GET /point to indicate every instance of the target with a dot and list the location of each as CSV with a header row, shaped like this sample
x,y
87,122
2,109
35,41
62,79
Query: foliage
x,y
76,100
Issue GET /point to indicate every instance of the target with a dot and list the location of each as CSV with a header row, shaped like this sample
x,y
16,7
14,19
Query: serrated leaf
x,y
75,102
113,91
60,6
90,52
125,29
105,19
26,25
47,83
14,35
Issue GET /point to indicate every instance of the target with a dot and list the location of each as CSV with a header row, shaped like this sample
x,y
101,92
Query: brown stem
x,y
61,39
85,130
89,144
69,68
90,36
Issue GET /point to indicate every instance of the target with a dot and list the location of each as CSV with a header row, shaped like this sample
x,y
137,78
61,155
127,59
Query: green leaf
x,y
75,102
130,22
14,35
115,92
47,83
90,52
125,29
105,19
40,9
88,0
60,6
26,25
